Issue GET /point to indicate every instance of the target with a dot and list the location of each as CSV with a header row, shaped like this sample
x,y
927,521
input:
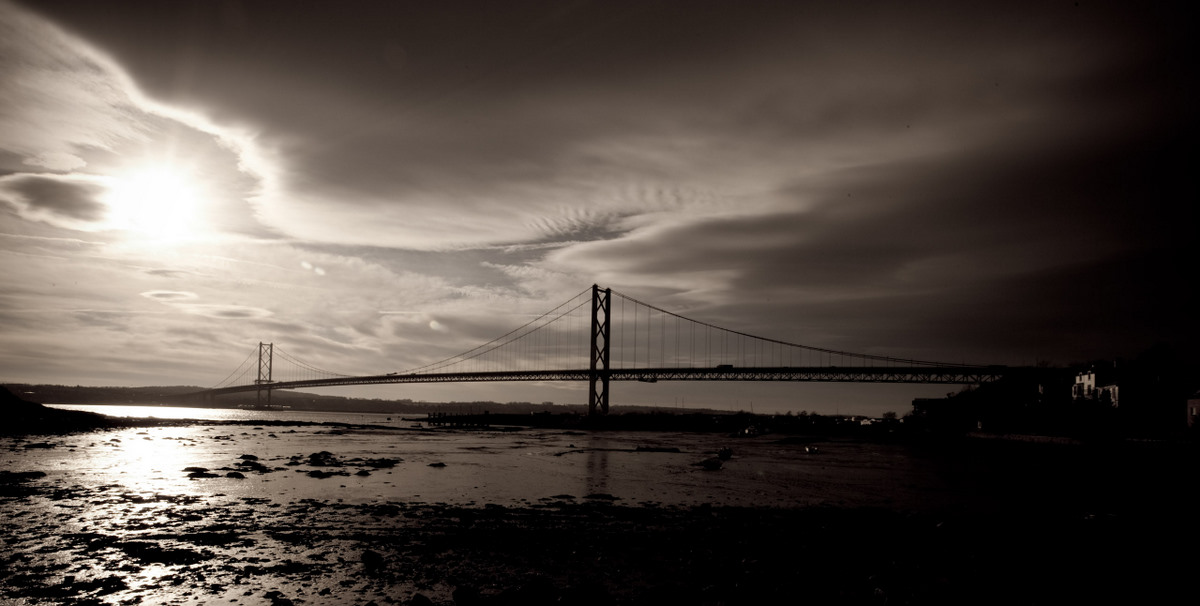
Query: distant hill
x,y
19,416
297,400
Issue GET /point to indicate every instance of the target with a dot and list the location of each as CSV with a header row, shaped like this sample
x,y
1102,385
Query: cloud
x,y
169,296
169,273
182,301
226,312
68,106
58,161
313,268
922,180
908,252
50,117
550,134
54,246
587,144
68,201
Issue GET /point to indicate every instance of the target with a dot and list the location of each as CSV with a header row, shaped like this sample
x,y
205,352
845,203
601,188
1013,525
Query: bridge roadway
x,y
960,375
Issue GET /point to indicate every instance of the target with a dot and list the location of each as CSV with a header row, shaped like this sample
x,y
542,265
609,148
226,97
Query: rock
x,y
381,463
248,457
372,561
438,464
277,599
317,473
254,466
386,510
236,475
323,459
144,551
420,599
15,477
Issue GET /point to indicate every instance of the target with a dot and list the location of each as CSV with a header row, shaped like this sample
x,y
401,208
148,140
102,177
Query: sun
x,y
156,201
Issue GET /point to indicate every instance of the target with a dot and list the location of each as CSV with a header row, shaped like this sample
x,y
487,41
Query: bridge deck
x,y
960,375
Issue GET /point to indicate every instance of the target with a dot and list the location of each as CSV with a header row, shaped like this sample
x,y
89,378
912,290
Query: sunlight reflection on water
x,y
480,467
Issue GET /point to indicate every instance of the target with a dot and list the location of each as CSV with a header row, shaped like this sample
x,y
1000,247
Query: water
x,y
478,467
234,414
123,516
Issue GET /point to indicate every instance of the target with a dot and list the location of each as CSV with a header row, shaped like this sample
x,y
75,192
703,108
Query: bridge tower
x,y
266,354
598,371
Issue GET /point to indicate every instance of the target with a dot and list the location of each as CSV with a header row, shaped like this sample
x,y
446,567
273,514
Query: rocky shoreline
x,y
562,550
66,540
73,544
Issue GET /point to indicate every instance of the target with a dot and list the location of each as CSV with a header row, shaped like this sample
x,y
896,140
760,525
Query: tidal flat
x,y
203,513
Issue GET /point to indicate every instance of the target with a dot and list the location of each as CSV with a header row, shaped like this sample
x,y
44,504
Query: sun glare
x,y
157,202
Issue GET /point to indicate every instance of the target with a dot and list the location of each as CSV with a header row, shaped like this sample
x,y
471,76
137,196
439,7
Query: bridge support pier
x,y
598,371
266,355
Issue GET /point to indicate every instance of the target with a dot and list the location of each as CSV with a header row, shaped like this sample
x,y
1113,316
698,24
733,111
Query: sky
x,y
370,185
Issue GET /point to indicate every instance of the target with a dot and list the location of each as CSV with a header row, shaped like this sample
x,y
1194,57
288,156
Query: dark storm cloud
x,y
1051,246
866,225
529,107
1109,307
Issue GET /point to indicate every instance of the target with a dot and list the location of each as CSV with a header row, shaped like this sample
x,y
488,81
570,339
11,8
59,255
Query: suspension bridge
x,y
600,336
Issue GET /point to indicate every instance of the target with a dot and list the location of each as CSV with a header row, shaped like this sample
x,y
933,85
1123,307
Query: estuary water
x,y
235,508
384,458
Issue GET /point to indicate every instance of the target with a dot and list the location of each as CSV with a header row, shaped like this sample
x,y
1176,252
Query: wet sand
x,y
202,537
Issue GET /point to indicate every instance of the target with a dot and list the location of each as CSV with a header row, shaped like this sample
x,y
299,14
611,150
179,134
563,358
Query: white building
x,y
1089,385
1085,385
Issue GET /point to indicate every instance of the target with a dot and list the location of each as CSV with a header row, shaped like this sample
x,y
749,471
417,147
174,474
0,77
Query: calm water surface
x,y
480,467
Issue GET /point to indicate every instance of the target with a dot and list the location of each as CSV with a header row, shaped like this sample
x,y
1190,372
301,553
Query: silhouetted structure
x,y
601,336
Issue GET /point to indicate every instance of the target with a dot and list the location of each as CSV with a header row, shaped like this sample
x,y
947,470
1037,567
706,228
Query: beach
x,y
200,512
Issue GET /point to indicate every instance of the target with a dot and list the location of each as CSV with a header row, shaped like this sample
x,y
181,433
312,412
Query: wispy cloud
x,y
919,179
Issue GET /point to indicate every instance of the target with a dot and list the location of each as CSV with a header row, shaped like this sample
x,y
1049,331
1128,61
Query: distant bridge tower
x,y
266,354
598,371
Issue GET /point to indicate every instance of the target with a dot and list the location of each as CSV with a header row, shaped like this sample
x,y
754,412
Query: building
x,y
1097,384
1085,385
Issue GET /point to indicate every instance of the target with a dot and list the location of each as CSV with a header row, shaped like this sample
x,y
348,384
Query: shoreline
x,y
564,549
204,538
